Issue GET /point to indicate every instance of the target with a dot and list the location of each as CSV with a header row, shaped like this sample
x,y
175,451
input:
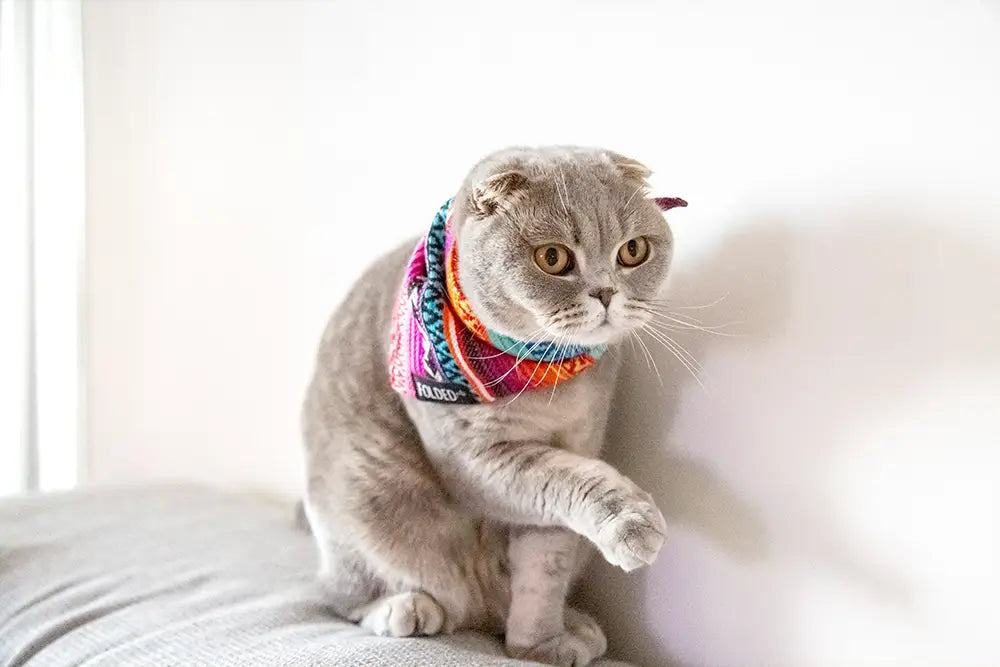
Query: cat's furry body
x,y
432,517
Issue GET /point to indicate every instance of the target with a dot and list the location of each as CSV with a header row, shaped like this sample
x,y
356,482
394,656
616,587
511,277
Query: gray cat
x,y
435,516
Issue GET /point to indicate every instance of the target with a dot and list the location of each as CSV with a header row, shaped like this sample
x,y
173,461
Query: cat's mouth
x,y
595,328
604,331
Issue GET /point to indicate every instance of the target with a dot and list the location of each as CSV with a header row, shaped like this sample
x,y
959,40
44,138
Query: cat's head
x,y
561,244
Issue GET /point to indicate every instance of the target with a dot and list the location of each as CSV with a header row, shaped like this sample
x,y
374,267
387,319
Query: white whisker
x,y
684,316
630,197
556,383
649,356
704,305
678,323
633,336
515,344
666,339
518,360
562,177
526,385
710,329
670,344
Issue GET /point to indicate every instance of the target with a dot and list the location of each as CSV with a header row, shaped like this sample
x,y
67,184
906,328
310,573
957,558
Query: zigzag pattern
x,y
432,301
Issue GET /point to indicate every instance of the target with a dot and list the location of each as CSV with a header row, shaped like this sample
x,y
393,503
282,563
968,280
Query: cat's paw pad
x,y
587,629
402,615
631,533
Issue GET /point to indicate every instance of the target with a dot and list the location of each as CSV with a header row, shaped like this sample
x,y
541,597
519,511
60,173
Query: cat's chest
x,y
573,416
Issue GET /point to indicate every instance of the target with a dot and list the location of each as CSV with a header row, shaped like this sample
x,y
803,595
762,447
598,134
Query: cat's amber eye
x,y
554,259
634,251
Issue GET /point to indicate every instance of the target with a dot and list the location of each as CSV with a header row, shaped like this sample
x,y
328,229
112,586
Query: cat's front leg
x,y
530,483
542,563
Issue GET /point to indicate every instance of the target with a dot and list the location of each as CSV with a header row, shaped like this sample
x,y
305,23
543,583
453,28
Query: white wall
x,y
833,493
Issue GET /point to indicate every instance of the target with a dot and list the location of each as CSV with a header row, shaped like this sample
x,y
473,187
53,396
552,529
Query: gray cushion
x,y
182,576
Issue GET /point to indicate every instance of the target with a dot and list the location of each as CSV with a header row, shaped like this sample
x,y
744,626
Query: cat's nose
x,y
604,294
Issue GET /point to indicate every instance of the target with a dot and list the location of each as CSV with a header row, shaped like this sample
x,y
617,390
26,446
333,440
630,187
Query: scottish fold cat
x,y
455,419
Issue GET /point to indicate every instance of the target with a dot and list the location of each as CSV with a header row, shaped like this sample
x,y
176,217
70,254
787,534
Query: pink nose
x,y
604,294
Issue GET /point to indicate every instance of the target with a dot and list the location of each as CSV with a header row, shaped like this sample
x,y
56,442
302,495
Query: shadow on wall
x,y
838,322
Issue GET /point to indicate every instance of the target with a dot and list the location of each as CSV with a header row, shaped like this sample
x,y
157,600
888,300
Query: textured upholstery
x,y
182,576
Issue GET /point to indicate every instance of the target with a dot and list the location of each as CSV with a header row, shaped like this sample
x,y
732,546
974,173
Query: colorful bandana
x,y
441,352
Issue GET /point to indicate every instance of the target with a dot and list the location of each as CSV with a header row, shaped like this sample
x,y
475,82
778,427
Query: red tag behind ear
x,y
667,203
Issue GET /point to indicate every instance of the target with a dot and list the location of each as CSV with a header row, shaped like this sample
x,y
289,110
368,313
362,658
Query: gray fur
x,y
432,517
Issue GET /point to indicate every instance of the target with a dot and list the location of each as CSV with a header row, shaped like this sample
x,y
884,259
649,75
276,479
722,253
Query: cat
x,y
441,501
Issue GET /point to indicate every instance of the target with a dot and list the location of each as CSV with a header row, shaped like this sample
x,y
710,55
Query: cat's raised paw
x,y
632,536
402,615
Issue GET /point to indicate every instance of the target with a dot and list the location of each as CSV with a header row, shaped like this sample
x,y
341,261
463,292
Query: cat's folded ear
x,y
636,173
632,170
497,192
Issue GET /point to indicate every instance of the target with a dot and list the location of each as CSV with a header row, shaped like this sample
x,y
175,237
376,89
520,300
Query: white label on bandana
x,y
441,392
